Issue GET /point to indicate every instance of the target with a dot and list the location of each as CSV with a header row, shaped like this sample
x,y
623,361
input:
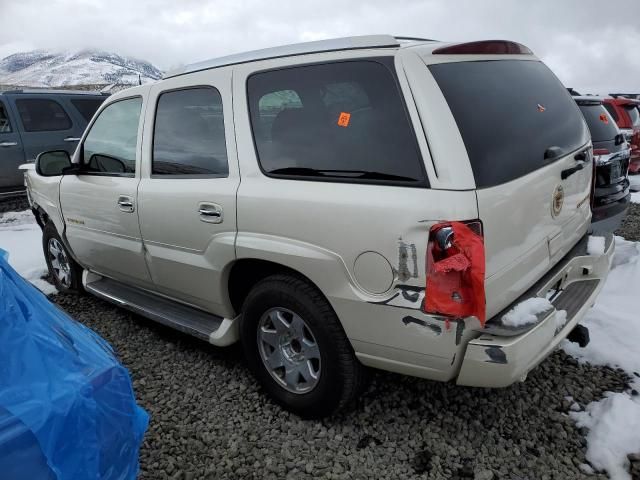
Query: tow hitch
x,y
579,335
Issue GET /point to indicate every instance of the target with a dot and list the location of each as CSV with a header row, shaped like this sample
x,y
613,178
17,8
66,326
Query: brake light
x,y
593,179
485,47
455,270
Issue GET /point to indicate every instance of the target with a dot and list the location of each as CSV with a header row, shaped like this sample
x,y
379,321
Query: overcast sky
x,y
593,45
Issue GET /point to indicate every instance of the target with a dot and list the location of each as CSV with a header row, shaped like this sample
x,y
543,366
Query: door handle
x,y
126,204
8,144
210,212
570,171
72,139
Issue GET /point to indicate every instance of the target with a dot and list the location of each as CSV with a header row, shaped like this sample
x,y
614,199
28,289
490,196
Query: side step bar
x,y
206,326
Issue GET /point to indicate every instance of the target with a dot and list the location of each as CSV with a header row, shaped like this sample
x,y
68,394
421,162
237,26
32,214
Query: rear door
x,y
528,147
11,153
187,195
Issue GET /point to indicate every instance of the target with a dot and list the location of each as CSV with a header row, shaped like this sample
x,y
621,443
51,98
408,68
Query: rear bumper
x,y
608,218
499,357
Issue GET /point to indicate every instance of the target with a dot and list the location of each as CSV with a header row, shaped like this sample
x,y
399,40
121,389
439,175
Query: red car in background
x,y
626,114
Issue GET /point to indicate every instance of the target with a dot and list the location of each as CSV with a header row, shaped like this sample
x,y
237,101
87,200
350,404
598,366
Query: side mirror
x,y
51,164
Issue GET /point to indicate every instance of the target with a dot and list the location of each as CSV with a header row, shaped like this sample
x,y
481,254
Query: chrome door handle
x,y
72,139
210,212
8,144
125,204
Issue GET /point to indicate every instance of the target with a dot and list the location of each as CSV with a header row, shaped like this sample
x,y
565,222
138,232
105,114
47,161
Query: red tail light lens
x,y
455,270
600,151
485,47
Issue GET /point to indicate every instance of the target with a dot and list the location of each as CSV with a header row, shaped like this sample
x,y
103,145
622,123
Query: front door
x,y
99,204
46,125
11,153
187,194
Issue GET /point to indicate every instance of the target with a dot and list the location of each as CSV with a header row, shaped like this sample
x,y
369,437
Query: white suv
x,y
335,205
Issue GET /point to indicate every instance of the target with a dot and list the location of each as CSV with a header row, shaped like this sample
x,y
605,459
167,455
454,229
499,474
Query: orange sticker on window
x,y
604,118
343,119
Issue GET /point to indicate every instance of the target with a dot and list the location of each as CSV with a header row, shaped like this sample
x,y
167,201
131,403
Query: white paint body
x,y
362,245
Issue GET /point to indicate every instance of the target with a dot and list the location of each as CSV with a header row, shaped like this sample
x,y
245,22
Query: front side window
x,y
5,124
42,115
188,136
110,147
343,121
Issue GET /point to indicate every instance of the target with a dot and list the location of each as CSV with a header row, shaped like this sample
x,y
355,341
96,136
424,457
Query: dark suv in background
x,y
32,121
611,155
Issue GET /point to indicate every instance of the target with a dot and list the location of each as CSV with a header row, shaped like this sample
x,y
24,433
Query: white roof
x,y
345,43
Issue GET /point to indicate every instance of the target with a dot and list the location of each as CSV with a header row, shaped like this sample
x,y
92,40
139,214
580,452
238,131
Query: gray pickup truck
x,y
32,121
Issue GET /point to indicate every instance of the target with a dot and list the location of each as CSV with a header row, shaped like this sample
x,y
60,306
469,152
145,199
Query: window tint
x,y
110,146
188,136
87,106
634,116
509,113
612,110
342,121
5,124
601,125
42,114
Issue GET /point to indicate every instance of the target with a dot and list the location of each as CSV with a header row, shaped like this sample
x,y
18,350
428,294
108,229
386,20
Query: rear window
x,y
41,115
634,116
342,121
87,106
509,112
601,125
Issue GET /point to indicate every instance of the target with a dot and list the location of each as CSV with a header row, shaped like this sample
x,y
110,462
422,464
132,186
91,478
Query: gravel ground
x,y
209,419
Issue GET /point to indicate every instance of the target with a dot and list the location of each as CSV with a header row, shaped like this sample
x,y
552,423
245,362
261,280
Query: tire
x,y
65,272
323,348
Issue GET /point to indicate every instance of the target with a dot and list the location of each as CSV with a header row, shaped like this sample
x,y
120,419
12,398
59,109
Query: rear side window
x,y
5,124
612,110
87,106
601,125
110,146
509,112
343,121
634,116
42,115
188,137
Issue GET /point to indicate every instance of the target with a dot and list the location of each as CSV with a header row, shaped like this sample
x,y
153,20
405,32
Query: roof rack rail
x,y
318,46
414,39
54,90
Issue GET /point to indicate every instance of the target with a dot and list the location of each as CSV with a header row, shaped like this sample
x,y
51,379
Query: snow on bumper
x,y
498,357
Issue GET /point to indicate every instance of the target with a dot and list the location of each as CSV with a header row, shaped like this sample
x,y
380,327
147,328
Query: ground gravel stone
x,y
210,420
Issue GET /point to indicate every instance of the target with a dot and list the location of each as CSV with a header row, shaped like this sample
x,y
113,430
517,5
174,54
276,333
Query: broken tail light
x,y
455,270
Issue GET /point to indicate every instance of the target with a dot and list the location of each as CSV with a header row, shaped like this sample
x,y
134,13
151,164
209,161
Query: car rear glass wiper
x,y
360,174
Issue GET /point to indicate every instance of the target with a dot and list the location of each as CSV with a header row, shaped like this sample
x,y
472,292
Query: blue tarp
x,y
67,407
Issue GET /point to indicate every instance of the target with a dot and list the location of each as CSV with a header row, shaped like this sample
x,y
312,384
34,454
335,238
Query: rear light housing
x,y
484,47
455,270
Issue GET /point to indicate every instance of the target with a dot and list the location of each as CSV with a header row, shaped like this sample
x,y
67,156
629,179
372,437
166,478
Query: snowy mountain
x,y
41,68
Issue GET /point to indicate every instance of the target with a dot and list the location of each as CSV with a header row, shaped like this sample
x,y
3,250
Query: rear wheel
x,y
64,271
297,349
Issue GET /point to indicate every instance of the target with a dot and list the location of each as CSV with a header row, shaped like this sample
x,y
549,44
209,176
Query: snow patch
x,y
635,196
614,432
526,312
21,237
614,330
595,245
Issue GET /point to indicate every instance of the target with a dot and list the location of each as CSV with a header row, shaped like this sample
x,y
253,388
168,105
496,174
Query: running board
x,y
216,330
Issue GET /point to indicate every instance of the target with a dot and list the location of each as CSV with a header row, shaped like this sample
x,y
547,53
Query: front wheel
x,y
64,271
297,349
